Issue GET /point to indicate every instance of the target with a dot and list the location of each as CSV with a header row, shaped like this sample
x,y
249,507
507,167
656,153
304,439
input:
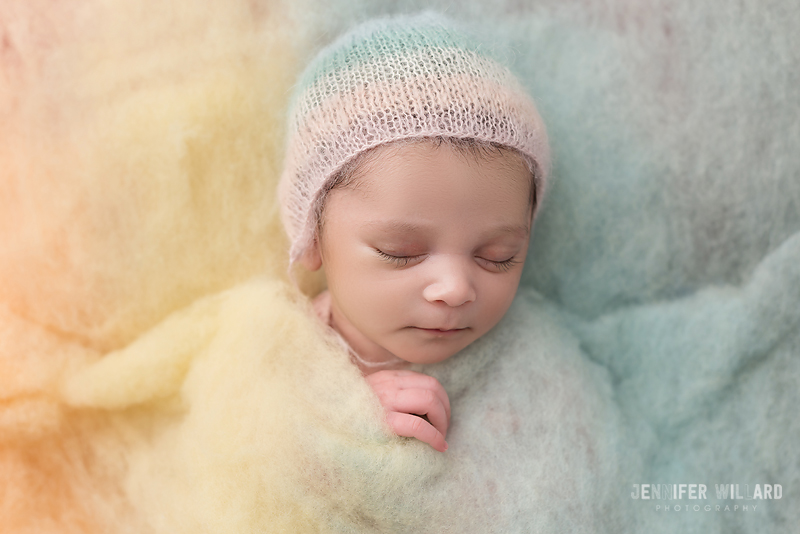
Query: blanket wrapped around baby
x,y
159,372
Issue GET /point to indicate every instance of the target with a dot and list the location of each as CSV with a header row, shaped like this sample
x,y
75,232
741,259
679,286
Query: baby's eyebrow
x,y
519,230
395,226
400,227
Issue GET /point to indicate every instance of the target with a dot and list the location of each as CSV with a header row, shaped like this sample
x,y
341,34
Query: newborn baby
x,y
414,169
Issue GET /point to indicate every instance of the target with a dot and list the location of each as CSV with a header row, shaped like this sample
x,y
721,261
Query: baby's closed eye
x,y
499,265
400,259
495,263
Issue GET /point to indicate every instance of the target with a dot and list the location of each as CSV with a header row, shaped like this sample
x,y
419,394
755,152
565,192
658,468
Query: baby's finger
x,y
431,384
420,402
411,426
411,380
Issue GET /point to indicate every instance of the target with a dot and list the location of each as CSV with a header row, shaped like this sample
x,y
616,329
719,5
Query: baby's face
x,y
423,252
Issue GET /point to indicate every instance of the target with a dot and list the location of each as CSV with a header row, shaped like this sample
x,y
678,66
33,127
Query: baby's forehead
x,y
439,175
411,155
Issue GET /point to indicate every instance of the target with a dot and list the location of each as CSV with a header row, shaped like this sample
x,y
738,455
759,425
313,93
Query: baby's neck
x,y
369,357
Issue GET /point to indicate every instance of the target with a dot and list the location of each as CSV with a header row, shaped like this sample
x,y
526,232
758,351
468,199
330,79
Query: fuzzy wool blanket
x,y
159,373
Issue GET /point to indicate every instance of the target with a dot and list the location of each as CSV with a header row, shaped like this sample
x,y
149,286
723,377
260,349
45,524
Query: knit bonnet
x,y
398,78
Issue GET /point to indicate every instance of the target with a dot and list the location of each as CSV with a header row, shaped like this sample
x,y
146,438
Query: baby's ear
x,y
311,258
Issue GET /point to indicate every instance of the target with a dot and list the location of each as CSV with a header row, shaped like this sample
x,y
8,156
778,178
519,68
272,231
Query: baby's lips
x,y
439,333
444,328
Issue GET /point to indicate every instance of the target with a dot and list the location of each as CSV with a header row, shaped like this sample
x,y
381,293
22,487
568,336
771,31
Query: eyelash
x,y
403,261
504,265
399,261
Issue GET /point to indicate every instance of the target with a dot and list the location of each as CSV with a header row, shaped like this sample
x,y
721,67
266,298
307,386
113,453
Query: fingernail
x,y
445,446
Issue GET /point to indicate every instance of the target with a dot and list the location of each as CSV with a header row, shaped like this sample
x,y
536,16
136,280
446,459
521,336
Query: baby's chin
x,y
430,352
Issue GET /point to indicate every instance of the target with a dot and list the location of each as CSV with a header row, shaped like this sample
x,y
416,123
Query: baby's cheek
x,y
498,300
380,307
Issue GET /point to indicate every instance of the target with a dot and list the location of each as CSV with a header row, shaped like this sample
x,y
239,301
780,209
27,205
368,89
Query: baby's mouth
x,y
441,332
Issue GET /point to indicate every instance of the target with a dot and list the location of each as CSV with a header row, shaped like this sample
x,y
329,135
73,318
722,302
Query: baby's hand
x,y
406,395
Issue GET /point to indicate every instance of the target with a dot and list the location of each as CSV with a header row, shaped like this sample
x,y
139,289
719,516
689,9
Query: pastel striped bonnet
x,y
391,79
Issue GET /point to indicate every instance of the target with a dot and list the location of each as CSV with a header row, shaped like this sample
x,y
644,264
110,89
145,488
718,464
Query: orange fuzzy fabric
x,y
133,180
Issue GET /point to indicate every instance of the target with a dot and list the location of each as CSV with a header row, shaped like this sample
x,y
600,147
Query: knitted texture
x,y
391,79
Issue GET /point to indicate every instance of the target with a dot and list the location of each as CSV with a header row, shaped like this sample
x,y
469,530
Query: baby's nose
x,y
452,284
